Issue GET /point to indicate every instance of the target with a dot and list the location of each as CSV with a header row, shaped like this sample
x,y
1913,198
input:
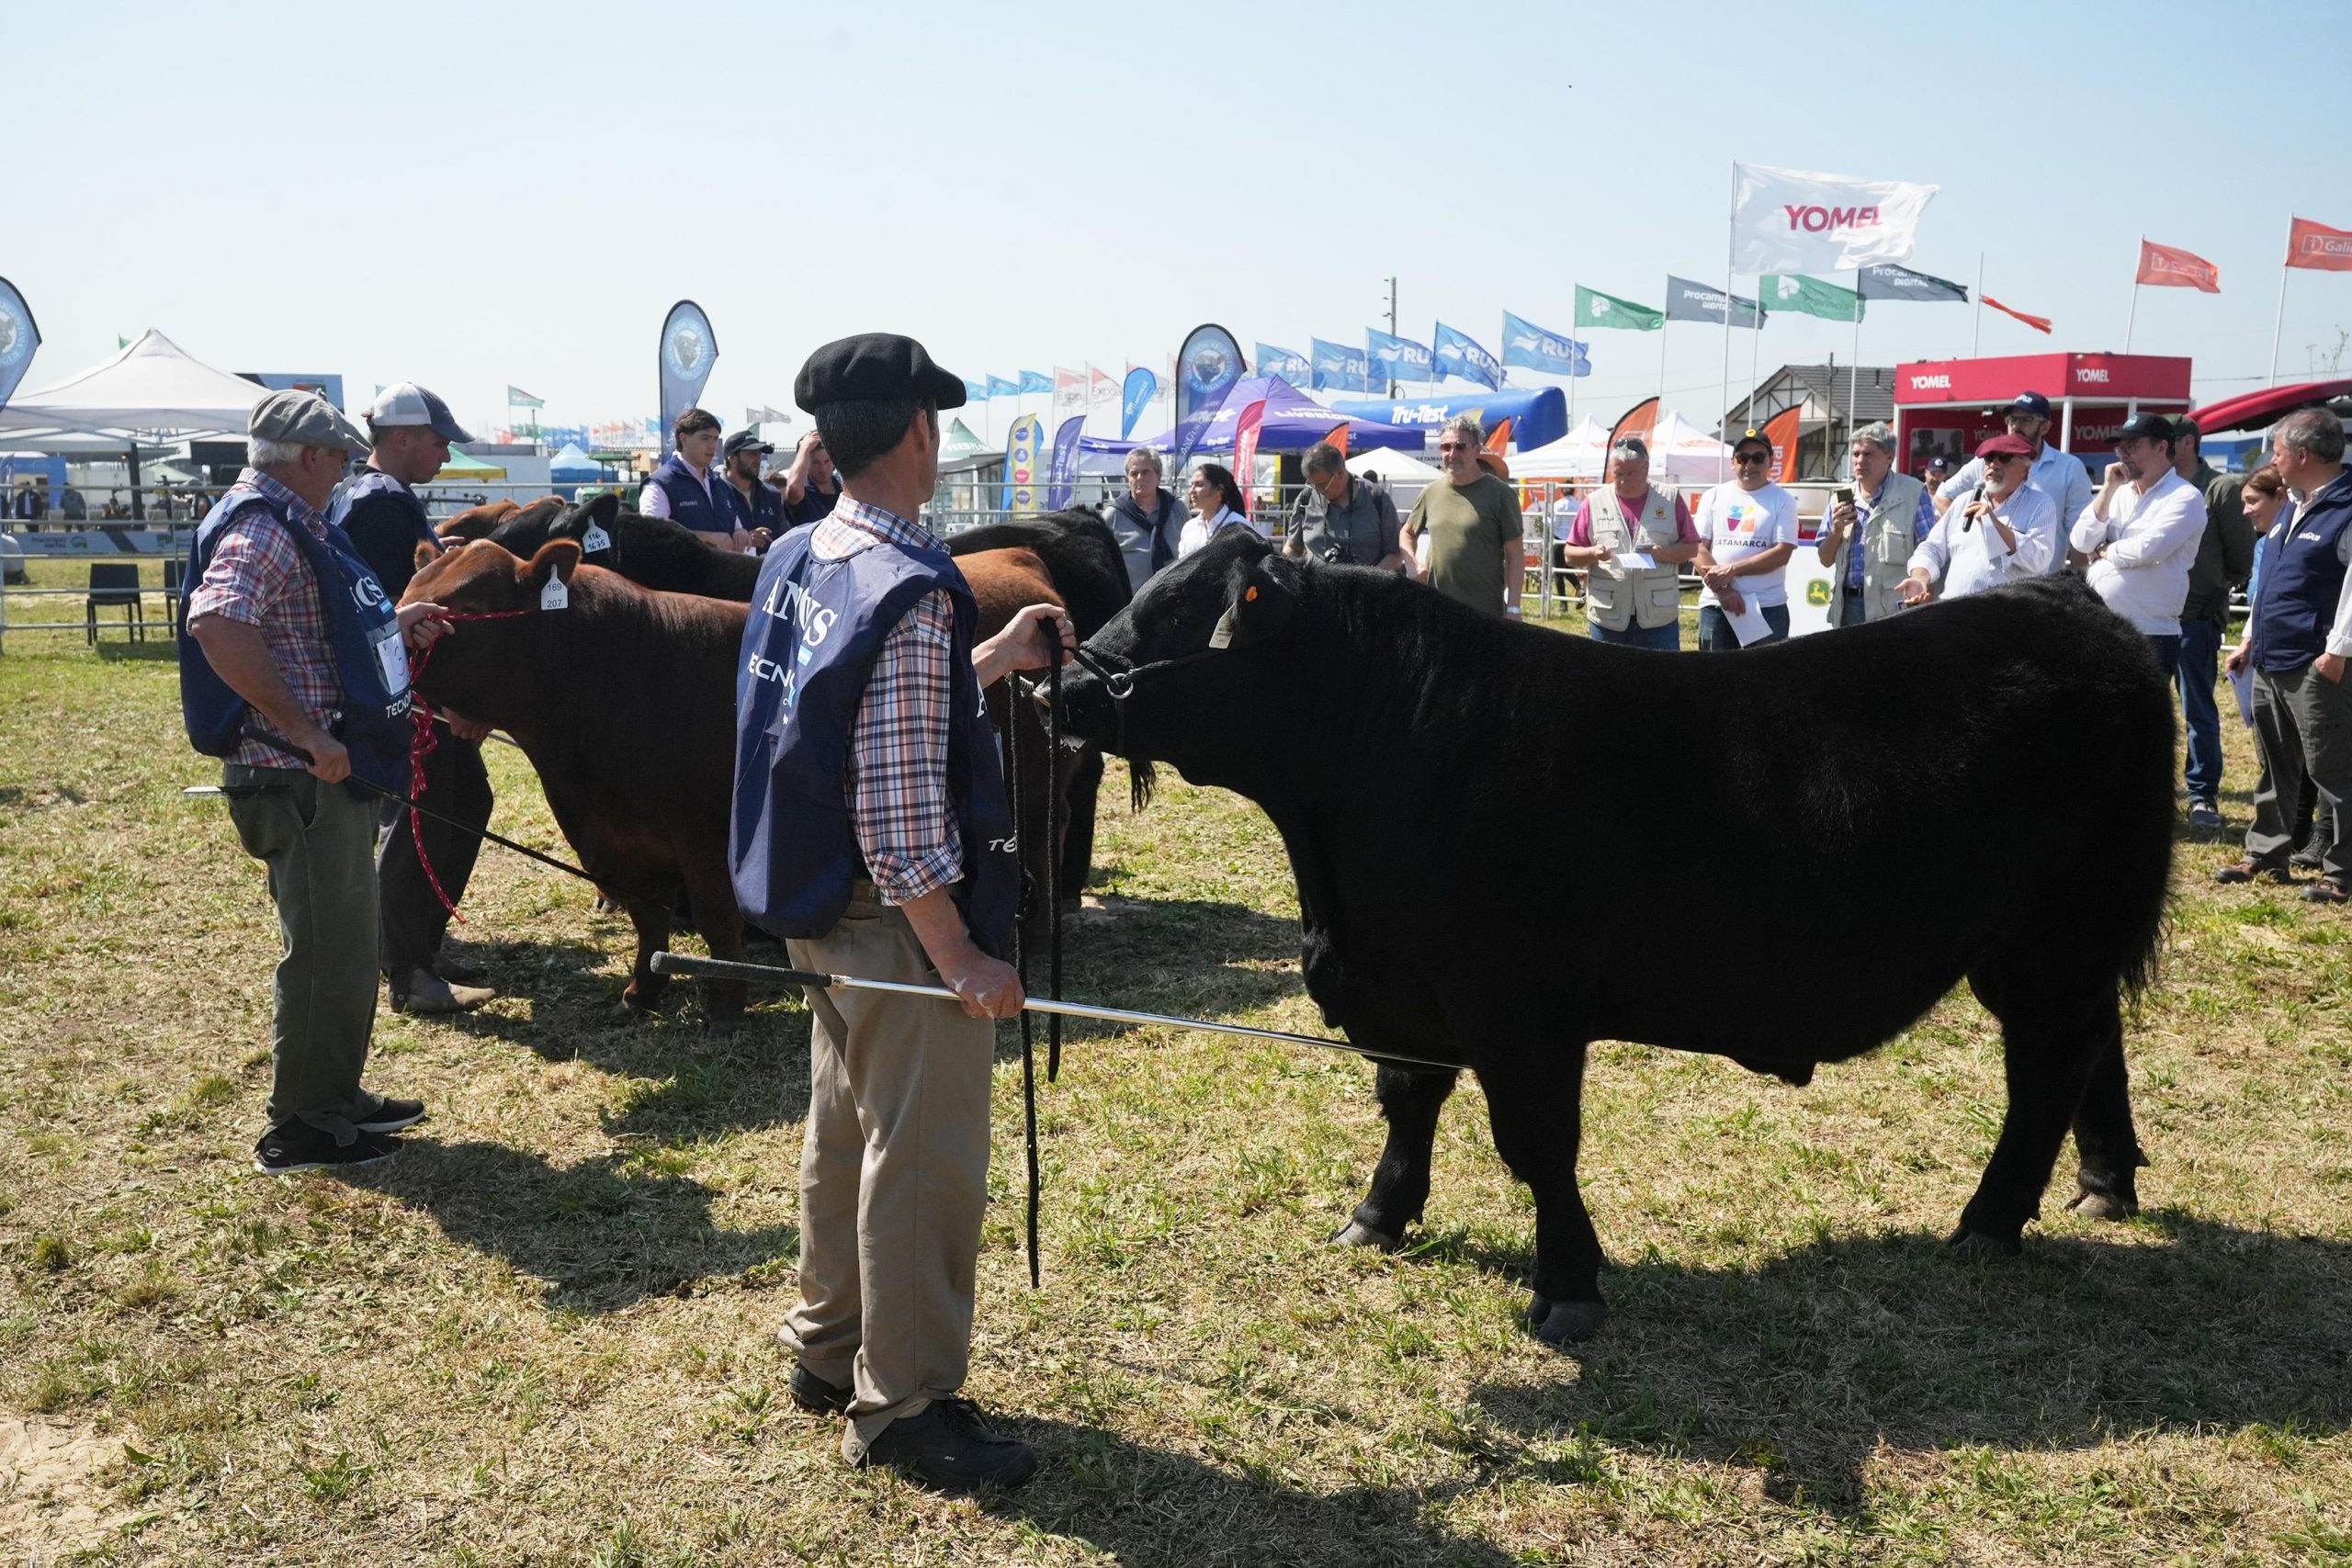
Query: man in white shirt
x,y
2058,475
2007,534
1747,531
2141,535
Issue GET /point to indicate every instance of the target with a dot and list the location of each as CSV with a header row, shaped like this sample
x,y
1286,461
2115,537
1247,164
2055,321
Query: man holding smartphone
x,y
1874,525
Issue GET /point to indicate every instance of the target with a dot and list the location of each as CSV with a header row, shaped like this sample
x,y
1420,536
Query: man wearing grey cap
x,y
294,670
380,510
871,832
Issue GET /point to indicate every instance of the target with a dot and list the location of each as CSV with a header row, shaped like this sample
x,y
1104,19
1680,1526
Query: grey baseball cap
x,y
409,403
305,418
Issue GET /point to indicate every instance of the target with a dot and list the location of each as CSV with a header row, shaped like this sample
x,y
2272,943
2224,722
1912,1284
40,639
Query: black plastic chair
x,y
116,584
173,567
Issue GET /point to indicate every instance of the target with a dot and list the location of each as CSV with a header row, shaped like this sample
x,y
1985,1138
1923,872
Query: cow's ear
x,y
557,558
426,554
1263,598
597,512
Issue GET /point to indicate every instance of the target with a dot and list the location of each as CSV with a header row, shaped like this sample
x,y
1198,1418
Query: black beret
x,y
875,367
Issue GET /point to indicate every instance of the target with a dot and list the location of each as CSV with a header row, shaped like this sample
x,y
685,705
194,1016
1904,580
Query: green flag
x,y
1595,309
1809,297
121,341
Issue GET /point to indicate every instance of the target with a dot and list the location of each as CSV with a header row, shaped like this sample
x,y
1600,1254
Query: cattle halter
x,y
667,962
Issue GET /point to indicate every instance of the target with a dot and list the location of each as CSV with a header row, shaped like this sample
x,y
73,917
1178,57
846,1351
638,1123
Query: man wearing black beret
x,y
871,832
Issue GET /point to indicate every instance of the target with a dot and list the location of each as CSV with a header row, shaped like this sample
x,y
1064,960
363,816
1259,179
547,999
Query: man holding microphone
x,y
2005,531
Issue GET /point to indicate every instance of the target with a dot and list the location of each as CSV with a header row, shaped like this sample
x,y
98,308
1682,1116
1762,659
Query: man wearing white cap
x,y
380,510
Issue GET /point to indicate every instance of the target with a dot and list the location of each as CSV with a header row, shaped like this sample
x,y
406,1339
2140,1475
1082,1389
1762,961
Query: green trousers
x,y
319,842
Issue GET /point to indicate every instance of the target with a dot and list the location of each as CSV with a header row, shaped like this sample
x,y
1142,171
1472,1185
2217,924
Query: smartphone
x,y
1843,494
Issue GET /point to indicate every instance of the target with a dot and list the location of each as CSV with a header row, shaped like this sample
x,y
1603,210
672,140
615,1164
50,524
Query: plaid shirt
x,y
897,777
257,576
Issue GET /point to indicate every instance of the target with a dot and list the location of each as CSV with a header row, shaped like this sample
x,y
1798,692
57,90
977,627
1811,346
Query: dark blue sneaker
x,y
949,1446
297,1145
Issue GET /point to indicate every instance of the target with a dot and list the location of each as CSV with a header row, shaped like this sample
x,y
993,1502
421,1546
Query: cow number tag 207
x,y
594,539
555,595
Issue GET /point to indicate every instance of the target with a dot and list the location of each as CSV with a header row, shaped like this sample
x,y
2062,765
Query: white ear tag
x,y
595,539
555,595
1222,637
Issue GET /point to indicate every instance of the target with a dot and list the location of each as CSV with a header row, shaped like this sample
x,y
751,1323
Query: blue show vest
x,y
375,482
2301,582
764,509
363,637
692,505
815,630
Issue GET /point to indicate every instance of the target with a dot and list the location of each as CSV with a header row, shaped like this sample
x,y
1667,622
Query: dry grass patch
x,y
545,1333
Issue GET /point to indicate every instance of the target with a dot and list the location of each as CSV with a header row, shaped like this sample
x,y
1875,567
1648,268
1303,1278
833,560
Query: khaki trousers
x,y
893,1177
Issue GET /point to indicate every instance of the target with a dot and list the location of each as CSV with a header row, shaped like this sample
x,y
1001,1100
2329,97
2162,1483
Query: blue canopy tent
x,y
1538,415
572,466
1293,423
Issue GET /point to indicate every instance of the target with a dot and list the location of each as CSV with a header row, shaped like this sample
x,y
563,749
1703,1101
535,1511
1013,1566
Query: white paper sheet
x,y
2242,682
1749,625
1636,560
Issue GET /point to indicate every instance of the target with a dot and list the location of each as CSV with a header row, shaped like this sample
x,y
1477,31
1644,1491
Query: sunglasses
x,y
1456,447
1744,458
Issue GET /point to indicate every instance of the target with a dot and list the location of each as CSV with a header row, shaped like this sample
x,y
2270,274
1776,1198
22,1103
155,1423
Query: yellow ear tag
x,y
1252,596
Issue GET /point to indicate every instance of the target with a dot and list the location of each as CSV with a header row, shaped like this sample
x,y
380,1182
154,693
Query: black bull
x,y
1979,790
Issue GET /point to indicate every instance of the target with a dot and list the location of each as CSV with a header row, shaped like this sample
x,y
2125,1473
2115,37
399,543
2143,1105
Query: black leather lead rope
x,y
1021,963
1054,826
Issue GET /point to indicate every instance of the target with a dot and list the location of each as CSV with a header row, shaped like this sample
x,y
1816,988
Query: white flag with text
x,y
1788,220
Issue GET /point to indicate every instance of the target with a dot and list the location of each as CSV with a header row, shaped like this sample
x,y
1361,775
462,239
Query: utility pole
x,y
1392,325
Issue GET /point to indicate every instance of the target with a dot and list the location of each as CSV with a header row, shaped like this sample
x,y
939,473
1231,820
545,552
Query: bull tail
x,y
1141,782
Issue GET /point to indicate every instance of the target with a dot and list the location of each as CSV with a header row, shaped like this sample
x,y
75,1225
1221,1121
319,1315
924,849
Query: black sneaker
x,y
2307,859
949,1446
297,1145
393,1115
815,1396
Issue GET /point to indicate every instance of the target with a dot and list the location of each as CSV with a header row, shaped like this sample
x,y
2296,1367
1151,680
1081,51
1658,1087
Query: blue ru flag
x,y
1135,397
1341,368
1286,363
1035,381
1530,347
1398,358
19,338
999,387
1458,354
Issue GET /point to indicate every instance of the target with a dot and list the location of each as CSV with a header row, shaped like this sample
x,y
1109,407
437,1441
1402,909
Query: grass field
x,y
544,1334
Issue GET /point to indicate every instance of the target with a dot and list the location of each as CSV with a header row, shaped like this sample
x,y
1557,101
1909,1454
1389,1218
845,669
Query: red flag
x,y
2168,267
1499,441
2038,323
2317,245
1245,453
1339,438
1780,430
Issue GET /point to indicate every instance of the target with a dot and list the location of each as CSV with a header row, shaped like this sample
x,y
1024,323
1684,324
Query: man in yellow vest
x,y
1873,530
1628,540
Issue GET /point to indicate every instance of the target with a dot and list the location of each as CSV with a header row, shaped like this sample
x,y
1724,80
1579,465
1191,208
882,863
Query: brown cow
x,y
624,699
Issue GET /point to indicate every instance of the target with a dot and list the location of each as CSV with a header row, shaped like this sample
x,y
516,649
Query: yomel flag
x,y
1595,309
2038,323
2168,267
2317,245
1788,220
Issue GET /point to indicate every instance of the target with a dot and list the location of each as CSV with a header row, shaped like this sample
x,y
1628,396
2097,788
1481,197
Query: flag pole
x,y
2279,322
1854,379
2133,319
1731,248
1754,346
1976,337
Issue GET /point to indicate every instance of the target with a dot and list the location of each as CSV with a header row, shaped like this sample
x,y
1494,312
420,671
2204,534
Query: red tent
x,y
2256,411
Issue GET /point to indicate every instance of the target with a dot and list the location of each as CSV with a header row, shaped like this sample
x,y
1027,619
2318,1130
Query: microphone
x,y
1968,518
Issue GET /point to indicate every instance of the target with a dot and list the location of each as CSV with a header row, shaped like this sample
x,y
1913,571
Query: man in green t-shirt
x,y
1471,519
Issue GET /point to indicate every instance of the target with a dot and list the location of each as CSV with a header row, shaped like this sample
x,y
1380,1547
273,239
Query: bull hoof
x,y
1967,1243
1560,1324
2094,1205
1355,1233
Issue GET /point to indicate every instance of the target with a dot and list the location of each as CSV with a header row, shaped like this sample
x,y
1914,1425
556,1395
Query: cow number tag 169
x,y
555,595
595,539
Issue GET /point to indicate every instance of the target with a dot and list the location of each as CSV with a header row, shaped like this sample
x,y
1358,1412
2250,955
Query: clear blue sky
x,y
476,195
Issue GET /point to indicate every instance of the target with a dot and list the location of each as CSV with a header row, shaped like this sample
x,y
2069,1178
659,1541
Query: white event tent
x,y
153,389
1680,453
1581,454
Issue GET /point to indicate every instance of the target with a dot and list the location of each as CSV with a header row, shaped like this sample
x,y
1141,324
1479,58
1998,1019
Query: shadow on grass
x,y
1804,1366
1141,1506
600,1234
149,652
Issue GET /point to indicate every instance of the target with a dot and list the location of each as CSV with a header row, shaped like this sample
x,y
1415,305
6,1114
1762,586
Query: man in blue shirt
x,y
1888,517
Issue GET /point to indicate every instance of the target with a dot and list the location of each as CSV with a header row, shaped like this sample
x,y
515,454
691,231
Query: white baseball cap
x,y
409,404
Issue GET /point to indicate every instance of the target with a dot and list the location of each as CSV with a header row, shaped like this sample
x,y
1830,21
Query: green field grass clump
x,y
545,1334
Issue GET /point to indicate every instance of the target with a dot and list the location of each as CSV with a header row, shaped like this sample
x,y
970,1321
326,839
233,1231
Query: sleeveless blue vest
x,y
2301,582
363,634
692,505
764,509
375,482
815,630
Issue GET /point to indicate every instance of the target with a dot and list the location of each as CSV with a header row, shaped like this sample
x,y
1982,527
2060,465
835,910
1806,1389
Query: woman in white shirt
x,y
1217,503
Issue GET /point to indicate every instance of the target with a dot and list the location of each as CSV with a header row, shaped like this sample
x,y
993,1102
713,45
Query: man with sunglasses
x,y
294,670
2058,475
2002,533
1747,531
1476,553
2141,536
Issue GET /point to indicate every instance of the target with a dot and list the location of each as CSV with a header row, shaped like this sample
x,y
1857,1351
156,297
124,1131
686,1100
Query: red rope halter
x,y
422,741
